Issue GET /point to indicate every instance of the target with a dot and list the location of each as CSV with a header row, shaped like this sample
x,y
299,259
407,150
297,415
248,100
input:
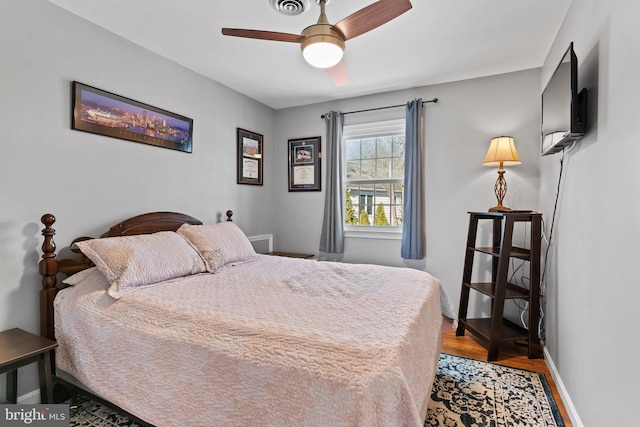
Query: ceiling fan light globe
x,y
322,54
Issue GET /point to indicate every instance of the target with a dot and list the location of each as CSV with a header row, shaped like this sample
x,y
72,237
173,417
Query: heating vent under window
x,y
262,244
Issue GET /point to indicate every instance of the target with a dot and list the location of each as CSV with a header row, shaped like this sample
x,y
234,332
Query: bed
x,y
178,323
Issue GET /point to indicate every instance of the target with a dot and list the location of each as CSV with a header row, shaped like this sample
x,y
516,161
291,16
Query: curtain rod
x,y
434,100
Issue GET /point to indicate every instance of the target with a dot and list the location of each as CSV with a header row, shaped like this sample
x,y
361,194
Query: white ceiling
x,y
436,41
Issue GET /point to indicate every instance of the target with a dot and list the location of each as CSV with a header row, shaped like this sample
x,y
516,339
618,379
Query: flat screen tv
x,y
563,108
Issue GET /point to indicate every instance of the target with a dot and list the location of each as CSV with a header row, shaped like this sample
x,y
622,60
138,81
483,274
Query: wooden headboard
x,y
50,264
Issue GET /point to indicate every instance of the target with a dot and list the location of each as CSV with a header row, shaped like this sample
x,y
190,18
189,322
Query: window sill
x,y
371,232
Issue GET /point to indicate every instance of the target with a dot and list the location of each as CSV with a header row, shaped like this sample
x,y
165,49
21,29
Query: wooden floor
x,y
513,355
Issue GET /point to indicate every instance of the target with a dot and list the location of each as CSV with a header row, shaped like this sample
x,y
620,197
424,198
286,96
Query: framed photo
x,y
250,153
304,164
104,113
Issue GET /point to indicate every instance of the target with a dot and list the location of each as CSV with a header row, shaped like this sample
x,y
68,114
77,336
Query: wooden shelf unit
x,y
493,330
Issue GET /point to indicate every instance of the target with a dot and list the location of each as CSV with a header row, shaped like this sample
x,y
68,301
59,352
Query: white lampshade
x,y
322,54
502,152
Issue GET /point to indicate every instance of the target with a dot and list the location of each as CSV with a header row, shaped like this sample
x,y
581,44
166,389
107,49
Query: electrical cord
x,y
550,242
555,208
522,282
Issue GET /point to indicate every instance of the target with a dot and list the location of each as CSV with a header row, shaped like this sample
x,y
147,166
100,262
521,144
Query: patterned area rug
x,y
87,413
470,392
466,392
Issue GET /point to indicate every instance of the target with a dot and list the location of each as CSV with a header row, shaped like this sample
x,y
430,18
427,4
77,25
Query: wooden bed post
x,y
48,268
50,265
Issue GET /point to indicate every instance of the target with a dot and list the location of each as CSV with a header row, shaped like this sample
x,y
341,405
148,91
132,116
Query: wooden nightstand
x,y
291,255
19,348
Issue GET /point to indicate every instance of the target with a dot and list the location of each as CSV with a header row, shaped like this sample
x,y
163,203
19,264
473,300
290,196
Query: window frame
x,y
367,130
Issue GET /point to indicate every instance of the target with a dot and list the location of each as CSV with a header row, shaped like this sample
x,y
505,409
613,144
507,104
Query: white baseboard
x,y
31,398
566,400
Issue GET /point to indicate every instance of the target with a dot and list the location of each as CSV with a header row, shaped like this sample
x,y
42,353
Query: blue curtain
x,y
413,234
332,237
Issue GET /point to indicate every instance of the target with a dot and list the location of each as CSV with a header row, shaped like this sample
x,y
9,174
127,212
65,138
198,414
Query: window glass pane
x,y
382,215
398,192
369,148
367,192
368,169
382,193
384,145
352,209
397,206
353,149
353,169
396,215
398,168
398,146
383,169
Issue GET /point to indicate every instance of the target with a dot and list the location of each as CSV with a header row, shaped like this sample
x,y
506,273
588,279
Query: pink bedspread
x,y
272,342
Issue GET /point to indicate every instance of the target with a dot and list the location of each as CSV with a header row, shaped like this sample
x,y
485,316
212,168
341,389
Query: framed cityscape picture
x,y
304,164
105,113
250,157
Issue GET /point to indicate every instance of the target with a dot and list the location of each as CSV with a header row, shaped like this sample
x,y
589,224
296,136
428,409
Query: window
x,y
373,172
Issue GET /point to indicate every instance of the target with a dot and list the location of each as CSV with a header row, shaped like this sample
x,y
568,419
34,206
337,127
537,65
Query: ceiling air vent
x,y
290,7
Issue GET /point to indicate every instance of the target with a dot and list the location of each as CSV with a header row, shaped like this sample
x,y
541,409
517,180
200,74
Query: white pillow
x,y
91,274
218,244
129,262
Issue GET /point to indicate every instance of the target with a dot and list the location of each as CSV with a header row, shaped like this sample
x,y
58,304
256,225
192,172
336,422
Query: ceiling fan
x,y
323,44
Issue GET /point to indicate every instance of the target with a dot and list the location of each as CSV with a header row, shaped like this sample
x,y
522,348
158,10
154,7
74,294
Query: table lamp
x,y
502,152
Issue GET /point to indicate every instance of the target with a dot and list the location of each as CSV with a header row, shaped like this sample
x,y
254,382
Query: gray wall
x,y
592,281
45,54
90,182
457,133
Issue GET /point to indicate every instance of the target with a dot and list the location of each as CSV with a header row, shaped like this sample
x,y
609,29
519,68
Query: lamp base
x,y
500,188
500,209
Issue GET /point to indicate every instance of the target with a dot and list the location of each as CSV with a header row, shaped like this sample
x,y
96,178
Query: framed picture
x,y
249,157
304,164
104,113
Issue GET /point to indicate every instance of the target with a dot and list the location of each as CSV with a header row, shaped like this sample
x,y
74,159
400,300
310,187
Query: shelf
x,y
498,288
515,252
489,288
482,329
515,215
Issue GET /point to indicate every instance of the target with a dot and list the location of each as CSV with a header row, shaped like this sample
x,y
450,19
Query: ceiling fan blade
x,y
263,35
371,17
339,74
